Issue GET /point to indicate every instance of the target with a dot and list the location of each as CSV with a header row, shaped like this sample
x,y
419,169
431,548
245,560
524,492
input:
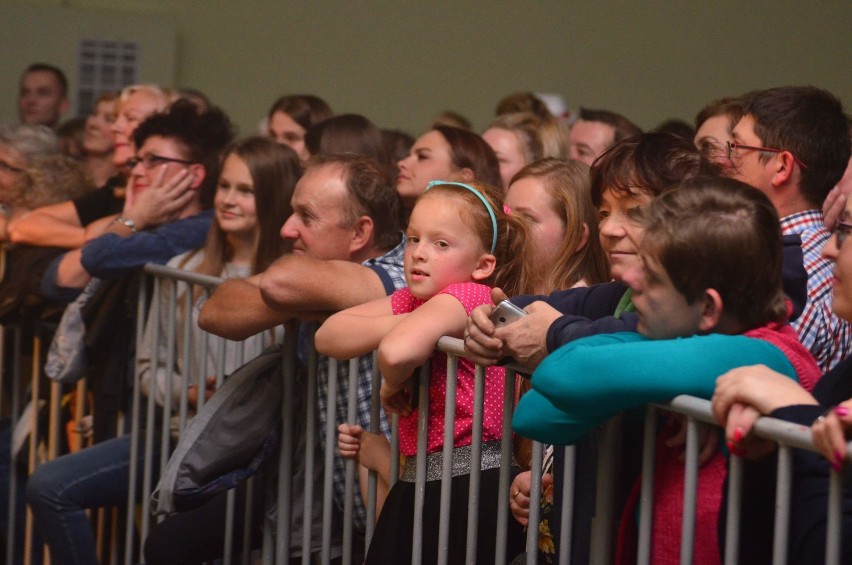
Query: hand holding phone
x,y
506,313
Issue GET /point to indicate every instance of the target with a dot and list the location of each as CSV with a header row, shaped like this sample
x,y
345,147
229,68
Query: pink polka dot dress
x,y
470,295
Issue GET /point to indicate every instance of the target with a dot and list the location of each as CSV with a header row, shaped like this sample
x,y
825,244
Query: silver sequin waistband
x,y
461,462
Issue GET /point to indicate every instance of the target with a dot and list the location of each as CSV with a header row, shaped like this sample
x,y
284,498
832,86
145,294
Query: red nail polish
x,y
731,446
838,458
738,435
841,411
836,466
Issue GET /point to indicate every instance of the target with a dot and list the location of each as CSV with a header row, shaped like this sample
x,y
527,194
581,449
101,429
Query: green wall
x,y
401,63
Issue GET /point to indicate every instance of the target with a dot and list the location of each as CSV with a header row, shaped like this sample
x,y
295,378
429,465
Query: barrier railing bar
x,y
420,479
375,427
833,540
351,471
536,461
447,471
505,468
690,495
732,524
567,517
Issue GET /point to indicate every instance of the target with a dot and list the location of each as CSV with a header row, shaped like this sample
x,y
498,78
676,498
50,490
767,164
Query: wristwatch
x,y
127,222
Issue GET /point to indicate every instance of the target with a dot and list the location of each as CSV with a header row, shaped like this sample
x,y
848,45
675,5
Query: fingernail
x,y
738,435
838,457
731,447
841,411
836,465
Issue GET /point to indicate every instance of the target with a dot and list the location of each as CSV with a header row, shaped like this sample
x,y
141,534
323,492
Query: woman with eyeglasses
x,y
65,224
744,394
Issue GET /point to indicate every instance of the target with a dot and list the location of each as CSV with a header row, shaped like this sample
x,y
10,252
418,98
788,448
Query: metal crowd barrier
x,y
279,534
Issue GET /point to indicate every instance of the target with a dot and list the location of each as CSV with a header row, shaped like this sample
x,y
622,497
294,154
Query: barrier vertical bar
x,y
536,460
475,463
782,504
447,470
420,480
690,495
136,409
833,530
567,517
603,525
328,482
505,467
349,486
732,524
285,457
646,495
310,442
376,428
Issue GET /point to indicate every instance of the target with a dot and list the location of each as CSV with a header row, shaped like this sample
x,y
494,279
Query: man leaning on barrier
x,y
347,249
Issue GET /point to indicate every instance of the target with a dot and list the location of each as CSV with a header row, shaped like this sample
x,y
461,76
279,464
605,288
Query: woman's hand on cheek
x,y
163,201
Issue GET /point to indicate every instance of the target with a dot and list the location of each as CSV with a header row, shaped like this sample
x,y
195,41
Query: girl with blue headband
x,y
460,243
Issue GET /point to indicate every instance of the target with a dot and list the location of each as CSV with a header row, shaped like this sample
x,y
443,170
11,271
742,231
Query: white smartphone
x,y
506,313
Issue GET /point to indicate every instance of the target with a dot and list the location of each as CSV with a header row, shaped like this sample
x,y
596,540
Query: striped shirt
x,y
828,337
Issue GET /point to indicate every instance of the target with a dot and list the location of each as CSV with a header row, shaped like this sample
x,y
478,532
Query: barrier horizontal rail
x,y
277,547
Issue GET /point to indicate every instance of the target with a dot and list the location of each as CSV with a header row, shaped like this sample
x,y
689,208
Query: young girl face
x,y
234,201
428,160
441,249
617,231
529,198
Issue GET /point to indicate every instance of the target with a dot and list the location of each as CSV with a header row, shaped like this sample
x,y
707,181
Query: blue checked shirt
x,y
826,336
390,270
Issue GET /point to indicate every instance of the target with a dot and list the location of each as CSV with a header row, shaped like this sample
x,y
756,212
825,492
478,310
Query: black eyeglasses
x,y
732,146
150,160
841,230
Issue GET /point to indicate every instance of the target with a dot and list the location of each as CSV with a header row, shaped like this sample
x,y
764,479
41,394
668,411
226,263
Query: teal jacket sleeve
x,y
584,383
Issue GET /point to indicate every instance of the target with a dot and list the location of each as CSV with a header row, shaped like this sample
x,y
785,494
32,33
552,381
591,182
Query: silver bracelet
x,y
127,222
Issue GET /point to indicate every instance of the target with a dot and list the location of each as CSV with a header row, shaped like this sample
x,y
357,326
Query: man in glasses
x,y
793,144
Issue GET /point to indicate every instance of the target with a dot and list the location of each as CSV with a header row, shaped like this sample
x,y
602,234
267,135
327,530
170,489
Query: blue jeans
x,y
61,490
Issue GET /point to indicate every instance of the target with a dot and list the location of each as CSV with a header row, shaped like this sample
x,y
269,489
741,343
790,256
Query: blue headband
x,y
482,198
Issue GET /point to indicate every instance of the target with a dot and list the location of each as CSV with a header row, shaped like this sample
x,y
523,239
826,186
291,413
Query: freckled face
x,y
440,248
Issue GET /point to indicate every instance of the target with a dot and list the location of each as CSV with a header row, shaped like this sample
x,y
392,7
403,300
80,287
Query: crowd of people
x,y
703,260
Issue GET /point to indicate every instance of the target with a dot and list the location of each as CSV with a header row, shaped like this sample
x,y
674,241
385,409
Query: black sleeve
x,y
591,302
794,278
97,204
569,328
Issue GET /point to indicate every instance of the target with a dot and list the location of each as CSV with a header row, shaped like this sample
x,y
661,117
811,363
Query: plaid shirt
x,y
826,336
390,270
